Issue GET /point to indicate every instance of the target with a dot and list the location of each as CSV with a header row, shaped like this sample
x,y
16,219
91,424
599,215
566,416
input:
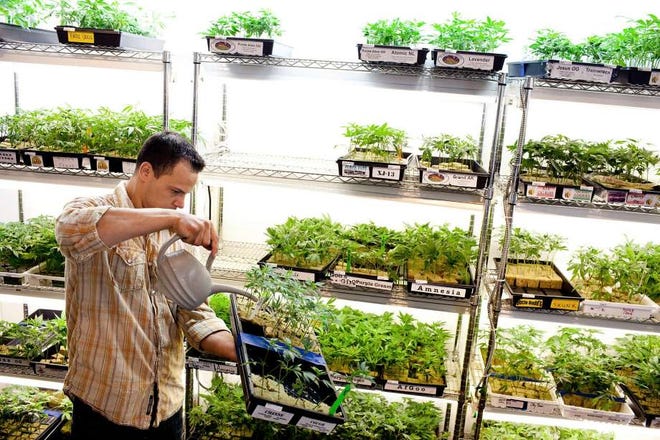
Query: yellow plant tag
x,y
530,303
564,304
81,37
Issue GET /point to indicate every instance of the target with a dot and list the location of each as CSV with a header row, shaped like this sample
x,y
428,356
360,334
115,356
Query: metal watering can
x,y
185,280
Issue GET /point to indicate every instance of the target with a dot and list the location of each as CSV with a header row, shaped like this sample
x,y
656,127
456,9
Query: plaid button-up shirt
x,y
125,337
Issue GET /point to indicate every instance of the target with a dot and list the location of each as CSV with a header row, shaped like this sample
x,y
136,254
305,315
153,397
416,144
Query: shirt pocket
x,y
129,267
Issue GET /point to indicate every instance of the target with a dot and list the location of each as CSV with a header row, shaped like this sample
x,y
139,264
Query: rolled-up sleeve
x,y
75,229
199,323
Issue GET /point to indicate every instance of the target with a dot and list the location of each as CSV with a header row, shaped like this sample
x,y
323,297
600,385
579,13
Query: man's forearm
x,y
120,224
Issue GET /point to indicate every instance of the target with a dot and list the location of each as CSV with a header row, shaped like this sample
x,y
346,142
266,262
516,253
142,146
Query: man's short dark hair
x,y
165,149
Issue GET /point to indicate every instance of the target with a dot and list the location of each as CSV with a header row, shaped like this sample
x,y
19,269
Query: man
x,y
125,338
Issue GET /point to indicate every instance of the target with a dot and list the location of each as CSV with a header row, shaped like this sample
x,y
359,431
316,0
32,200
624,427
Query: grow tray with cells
x,y
283,383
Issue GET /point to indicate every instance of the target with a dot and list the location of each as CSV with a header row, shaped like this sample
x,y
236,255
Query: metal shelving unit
x,y
499,304
323,174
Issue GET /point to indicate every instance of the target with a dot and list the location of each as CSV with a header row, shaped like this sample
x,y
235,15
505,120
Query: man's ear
x,y
145,171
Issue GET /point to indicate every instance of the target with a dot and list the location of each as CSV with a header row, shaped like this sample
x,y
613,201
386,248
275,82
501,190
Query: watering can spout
x,y
183,279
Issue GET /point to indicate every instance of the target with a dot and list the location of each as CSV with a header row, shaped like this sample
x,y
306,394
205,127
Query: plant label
x,y
342,378
577,194
350,281
391,172
237,47
431,289
14,361
316,425
272,413
393,385
540,191
655,78
388,54
466,61
350,169
128,167
451,179
580,72
529,303
606,309
102,165
297,274
80,36
533,406
65,162
36,160
564,304
9,157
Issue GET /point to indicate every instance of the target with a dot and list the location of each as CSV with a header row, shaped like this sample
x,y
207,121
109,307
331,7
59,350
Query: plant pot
x,y
564,70
554,190
285,400
107,38
540,285
51,159
616,192
259,47
302,273
420,286
647,403
461,59
391,54
16,34
351,165
438,174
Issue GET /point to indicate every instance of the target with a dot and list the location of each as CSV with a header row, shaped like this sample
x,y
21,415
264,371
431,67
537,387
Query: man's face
x,y
169,190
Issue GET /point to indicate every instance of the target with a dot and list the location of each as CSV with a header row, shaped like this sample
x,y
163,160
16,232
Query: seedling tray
x,y
643,311
262,357
553,191
450,290
460,59
419,389
373,170
635,75
35,276
630,197
45,428
51,159
107,38
11,276
13,33
567,298
477,178
623,416
50,370
49,348
564,70
260,47
300,273
207,362
371,53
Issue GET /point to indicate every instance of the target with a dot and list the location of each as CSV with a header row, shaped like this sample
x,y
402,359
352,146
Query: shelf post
x,y
167,75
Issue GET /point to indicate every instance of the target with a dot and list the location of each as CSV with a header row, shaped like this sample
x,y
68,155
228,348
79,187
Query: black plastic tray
x,y
477,179
253,351
445,290
556,191
541,69
567,298
300,273
618,196
54,159
107,38
13,33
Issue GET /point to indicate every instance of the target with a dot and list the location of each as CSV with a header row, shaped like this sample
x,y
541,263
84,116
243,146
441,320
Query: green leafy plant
x,y
622,273
638,362
220,303
460,33
307,242
23,245
375,142
493,430
583,368
437,253
394,32
26,13
103,131
107,14
550,44
454,148
247,24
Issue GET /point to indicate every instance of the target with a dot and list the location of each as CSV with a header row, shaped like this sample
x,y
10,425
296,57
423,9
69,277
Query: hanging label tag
x,y
80,37
388,54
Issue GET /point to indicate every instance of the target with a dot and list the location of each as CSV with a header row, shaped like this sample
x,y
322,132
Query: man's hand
x,y
197,231
220,344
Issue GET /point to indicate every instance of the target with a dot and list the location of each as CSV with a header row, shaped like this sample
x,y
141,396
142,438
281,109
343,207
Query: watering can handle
x,y
172,240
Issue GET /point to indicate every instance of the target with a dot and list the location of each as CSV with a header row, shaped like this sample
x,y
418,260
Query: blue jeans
x,y
87,424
